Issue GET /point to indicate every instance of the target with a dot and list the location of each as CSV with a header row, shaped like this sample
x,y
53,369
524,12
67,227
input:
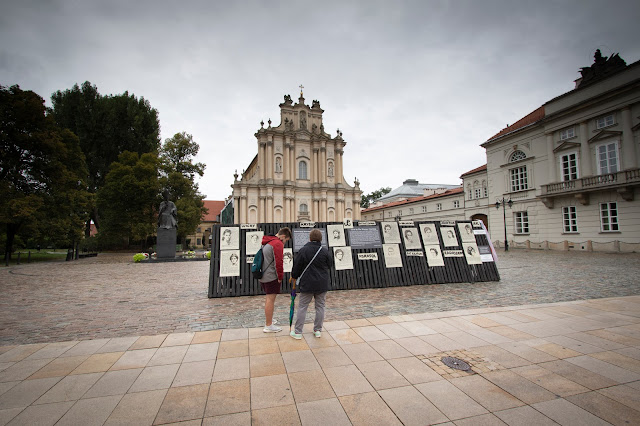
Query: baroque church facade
x,y
297,174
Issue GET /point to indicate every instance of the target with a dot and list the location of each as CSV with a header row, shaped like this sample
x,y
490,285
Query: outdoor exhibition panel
x,y
365,254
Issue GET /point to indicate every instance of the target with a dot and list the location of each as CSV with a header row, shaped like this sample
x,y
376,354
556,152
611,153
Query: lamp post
x,y
502,203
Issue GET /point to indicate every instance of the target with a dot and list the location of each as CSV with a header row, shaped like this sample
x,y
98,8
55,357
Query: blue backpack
x,y
256,266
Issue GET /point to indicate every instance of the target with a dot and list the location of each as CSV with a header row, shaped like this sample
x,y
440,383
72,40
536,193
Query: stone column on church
x,y
243,209
236,210
551,161
270,208
339,175
585,156
629,159
261,208
269,160
293,163
261,157
286,158
315,165
323,207
323,163
315,210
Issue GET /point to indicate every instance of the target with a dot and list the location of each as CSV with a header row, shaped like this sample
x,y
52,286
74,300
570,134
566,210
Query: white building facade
x,y
297,174
570,167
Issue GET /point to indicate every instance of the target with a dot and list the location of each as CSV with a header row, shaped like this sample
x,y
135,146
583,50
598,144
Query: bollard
x,y
18,261
29,257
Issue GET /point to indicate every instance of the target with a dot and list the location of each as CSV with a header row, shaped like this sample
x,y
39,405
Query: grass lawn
x,y
41,256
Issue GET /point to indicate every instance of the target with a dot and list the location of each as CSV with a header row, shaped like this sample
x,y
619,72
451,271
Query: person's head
x,y
467,228
387,228
390,250
233,258
408,234
254,238
336,234
287,257
427,230
433,251
226,235
284,234
315,235
339,254
450,234
471,250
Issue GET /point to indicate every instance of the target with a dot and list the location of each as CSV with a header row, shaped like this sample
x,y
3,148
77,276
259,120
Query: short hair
x,y
315,235
339,251
227,231
407,232
286,232
232,256
387,226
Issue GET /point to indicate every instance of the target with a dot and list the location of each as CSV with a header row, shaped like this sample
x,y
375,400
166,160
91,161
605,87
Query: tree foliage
x,y
128,199
42,173
106,127
178,176
369,198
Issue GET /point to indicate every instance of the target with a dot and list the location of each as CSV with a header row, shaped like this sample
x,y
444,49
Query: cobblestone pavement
x,y
109,296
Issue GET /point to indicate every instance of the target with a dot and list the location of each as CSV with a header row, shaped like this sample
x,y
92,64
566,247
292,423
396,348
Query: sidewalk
x,y
571,363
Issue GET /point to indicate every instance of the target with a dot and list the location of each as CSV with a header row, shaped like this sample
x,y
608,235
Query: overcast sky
x,y
415,86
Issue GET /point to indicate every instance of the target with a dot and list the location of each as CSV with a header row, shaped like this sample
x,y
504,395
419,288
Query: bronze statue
x,y
168,213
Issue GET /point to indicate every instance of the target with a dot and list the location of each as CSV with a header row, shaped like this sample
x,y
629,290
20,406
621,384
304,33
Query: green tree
x,y
106,127
178,175
128,199
42,173
369,198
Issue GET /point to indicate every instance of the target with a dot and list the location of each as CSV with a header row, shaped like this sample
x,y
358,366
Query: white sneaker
x,y
273,322
272,329
295,335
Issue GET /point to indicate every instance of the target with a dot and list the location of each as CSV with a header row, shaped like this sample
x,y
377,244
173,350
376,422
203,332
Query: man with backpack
x,y
272,273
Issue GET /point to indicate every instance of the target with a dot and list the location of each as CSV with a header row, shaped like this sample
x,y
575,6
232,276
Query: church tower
x,y
297,174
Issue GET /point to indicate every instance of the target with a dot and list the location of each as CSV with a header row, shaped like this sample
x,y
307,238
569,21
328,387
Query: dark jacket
x,y
316,278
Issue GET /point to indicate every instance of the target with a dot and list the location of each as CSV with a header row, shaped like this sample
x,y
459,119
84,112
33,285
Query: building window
x,y
399,212
609,217
567,133
570,219
456,204
605,121
303,208
410,211
478,192
302,170
518,179
470,193
439,206
199,230
389,214
198,241
517,156
569,165
607,158
484,188
522,222
424,209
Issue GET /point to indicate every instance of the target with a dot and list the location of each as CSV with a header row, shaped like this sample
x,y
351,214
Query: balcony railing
x,y
591,183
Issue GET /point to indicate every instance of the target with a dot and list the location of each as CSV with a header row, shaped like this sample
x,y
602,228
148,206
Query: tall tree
x,y
42,172
106,126
128,199
369,198
178,175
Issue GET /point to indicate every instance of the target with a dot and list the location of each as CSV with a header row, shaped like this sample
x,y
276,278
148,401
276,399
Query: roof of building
x,y
412,188
525,121
215,207
476,170
447,193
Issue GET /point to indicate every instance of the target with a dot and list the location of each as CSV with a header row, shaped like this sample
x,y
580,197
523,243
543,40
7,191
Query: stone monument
x,y
167,223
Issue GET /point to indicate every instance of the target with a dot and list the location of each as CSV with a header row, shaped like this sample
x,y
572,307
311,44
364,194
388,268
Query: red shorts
x,y
272,287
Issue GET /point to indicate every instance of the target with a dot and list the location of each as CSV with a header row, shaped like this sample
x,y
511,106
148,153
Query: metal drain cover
x,y
456,363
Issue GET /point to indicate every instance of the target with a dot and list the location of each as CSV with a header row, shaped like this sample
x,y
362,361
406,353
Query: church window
x,y
517,156
607,158
303,208
518,179
302,170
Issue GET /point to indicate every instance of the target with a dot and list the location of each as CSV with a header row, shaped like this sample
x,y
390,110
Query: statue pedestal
x,y
166,244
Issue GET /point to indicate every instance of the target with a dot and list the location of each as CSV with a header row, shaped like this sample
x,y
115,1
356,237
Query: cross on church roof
x,y
301,87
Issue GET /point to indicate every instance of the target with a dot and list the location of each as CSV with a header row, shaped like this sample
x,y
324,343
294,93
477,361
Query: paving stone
x,y
201,352
323,412
521,388
550,381
565,413
331,357
414,370
25,393
237,419
286,415
367,409
41,415
70,388
267,365
22,369
389,349
270,391
131,359
411,407
263,346
113,383
177,339
194,373
90,412
370,333
118,344
233,349
579,375
606,408
611,371
347,380
524,416
137,409
361,353
148,342
296,361
207,336
394,330
231,369
59,367
183,403
451,401
103,362
233,396
154,378
486,393
310,386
